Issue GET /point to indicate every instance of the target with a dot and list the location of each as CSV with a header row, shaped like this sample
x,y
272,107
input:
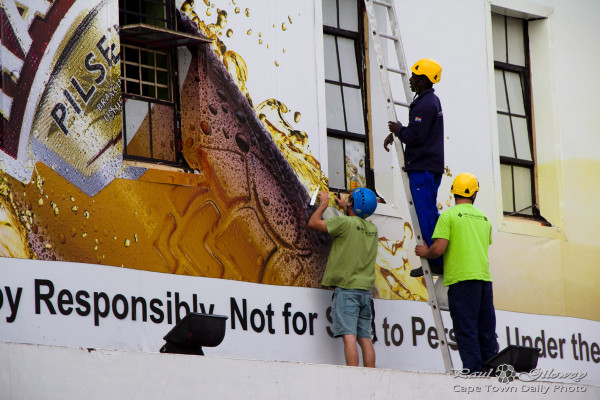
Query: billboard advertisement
x,y
237,210
161,161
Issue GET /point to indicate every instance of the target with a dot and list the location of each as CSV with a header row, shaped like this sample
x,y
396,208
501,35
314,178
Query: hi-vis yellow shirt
x,y
469,234
351,262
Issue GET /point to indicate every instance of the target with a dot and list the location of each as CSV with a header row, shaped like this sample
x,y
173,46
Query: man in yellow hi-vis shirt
x,y
462,235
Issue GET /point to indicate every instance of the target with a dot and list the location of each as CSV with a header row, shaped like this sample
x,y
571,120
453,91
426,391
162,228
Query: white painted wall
x,y
48,373
540,270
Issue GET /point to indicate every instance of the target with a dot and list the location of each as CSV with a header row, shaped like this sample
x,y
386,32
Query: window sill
x,y
524,226
166,174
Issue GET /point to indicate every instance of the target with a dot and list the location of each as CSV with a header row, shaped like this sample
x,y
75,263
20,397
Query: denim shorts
x,y
351,312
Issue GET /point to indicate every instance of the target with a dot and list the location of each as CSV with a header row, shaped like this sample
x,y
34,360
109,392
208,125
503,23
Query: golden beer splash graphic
x,y
14,224
393,281
292,143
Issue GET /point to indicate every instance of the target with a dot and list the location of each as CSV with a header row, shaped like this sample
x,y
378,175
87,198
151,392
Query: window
x,y
347,127
152,12
513,110
150,97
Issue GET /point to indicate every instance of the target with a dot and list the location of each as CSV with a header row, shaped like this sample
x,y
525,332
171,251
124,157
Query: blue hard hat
x,y
365,202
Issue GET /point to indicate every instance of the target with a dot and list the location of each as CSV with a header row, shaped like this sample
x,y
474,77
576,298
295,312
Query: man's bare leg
x,y
368,352
350,350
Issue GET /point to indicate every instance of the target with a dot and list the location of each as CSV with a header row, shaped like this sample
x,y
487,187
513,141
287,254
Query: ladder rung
x,y
382,3
400,103
388,36
444,308
449,343
396,70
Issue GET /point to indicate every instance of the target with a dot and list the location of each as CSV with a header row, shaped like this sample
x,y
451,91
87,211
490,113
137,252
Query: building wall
x,y
536,269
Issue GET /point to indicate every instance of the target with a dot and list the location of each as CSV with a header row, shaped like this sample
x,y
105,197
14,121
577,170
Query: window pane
x,y
501,104
155,13
148,75
507,188
161,61
348,61
132,71
148,91
522,138
354,110
163,138
335,110
329,13
135,112
147,58
516,41
349,15
515,92
498,37
505,136
163,93
131,54
132,87
137,129
162,78
331,61
355,162
523,199
335,157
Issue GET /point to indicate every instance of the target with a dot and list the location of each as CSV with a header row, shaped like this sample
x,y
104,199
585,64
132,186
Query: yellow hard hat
x,y
465,185
428,67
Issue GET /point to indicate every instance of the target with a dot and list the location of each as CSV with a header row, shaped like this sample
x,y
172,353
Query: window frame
x,y
167,23
358,38
525,77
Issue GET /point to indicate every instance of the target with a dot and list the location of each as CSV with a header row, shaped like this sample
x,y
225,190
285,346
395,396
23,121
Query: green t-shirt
x,y
469,234
351,262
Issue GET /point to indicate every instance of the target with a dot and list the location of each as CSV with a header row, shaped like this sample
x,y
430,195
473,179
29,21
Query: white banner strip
x,y
89,306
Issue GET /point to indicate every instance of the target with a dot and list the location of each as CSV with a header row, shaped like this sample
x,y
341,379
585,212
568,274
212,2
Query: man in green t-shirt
x,y
463,234
351,270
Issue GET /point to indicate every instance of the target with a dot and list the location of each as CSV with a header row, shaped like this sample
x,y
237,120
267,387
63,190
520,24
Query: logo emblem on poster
x,y
62,105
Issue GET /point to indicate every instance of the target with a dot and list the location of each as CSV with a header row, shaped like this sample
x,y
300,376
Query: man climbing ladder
x,y
386,71
424,153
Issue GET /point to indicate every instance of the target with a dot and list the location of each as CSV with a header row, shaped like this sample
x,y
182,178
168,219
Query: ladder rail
x,y
385,81
393,18
391,111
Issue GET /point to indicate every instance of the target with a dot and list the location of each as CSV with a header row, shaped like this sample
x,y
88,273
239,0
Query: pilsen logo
x,y
60,98
26,33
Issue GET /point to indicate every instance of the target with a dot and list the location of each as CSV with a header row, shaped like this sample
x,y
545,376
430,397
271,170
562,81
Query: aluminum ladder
x,y
403,71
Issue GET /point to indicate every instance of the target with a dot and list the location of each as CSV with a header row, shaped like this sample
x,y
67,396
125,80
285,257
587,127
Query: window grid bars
x,y
141,83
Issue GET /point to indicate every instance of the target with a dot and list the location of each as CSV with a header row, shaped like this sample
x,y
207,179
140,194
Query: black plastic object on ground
x,y
522,358
194,331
